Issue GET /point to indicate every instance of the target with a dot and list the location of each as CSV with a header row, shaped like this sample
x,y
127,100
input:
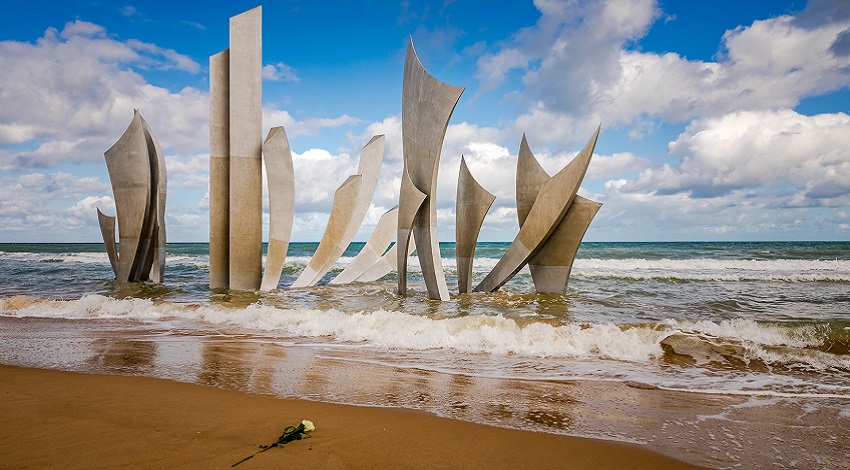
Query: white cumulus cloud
x,y
279,72
69,95
779,149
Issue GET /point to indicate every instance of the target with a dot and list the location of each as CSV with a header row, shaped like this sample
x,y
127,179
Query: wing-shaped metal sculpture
x,y
473,202
410,200
374,248
107,230
129,172
530,177
345,198
137,172
550,267
550,206
351,202
427,106
385,265
281,177
158,183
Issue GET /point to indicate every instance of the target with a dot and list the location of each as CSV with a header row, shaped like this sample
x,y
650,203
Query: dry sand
x,y
52,419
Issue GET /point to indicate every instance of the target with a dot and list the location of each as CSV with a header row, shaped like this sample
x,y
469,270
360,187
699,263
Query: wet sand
x,y
715,430
54,419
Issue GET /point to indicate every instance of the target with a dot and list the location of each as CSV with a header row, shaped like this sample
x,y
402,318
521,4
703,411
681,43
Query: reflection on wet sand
x,y
223,366
239,365
116,355
460,386
722,430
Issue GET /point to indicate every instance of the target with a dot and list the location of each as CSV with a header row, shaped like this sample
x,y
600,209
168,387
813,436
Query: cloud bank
x,y
743,163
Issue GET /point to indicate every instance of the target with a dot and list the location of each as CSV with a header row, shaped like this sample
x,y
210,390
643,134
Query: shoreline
x,y
58,419
720,431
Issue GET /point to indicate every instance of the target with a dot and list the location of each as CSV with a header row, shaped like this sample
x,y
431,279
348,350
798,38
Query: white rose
x,y
308,426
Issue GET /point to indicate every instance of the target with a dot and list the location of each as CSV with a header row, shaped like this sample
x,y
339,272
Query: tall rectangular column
x,y
220,170
246,127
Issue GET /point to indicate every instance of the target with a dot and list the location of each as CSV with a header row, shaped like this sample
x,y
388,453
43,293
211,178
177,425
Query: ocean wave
x,y
696,269
748,344
380,328
79,257
782,270
87,257
725,343
787,270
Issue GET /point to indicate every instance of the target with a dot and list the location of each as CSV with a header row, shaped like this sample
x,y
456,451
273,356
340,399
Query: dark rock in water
x,y
639,385
687,349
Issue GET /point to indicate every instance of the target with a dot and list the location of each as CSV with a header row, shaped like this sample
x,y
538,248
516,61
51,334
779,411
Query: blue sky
x,y
722,120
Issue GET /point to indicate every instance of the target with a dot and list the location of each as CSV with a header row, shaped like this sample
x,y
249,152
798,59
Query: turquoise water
x,y
617,282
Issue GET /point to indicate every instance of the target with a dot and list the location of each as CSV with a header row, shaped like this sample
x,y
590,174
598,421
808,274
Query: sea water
x,y
684,346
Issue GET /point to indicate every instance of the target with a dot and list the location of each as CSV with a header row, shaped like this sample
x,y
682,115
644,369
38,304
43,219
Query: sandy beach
x,y
54,419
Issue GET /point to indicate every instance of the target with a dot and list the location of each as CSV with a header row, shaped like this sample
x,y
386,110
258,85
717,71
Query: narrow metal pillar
x,y
220,170
246,122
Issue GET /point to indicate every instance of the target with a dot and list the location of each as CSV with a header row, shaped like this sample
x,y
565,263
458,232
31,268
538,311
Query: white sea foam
x,y
770,343
783,270
751,332
82,257
382,329
92,258
478,334
187,260
789,270
700,269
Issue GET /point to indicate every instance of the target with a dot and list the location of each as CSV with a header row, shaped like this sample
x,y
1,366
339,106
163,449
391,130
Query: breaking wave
x,y
786,270
694,269
733,343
